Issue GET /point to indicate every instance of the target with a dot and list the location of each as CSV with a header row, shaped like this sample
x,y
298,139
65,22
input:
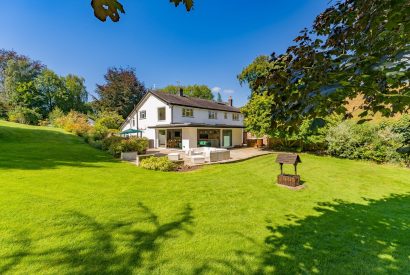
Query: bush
x,y
115,145
109,120
365,141
54,115
75,123
24,115
44,122
158,164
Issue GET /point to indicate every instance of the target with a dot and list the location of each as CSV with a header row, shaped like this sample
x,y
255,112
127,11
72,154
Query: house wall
x,y
201,116
150,105
189,138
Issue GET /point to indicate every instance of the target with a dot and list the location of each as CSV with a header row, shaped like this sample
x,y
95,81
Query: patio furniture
x,y
174,157
198,159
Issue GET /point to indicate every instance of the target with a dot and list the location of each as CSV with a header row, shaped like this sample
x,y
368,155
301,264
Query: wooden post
x,y
296,169
281,168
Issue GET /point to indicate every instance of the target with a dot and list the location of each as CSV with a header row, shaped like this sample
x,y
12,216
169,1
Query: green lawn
x,y
68,208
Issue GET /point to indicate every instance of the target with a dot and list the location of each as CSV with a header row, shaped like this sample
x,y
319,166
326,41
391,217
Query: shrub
x,y
365,141
74,122
158,164
109,120
134,144
115,145
54,115
107,142
24,115
44,122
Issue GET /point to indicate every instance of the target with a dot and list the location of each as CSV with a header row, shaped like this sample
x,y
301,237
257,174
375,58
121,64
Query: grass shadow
x,y
82,245
345,238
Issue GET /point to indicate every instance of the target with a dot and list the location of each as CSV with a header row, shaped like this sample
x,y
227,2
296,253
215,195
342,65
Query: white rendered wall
x,y
201,116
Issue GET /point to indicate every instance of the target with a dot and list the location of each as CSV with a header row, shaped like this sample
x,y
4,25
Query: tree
x,y
258,115
219,97
51,91
356,47
76,94
121,92
199,91
113,8
19,86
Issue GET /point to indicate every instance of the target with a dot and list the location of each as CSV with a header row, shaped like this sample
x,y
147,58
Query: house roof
x,y
200,125
194,102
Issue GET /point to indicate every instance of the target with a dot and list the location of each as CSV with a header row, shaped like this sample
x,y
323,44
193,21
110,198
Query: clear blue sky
x,y
210,45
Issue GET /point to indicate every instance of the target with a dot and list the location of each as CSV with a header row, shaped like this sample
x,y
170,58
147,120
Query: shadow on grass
x,y
82,245
31,149
346,238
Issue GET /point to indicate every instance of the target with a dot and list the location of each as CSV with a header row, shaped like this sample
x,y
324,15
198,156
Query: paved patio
x,y
237,154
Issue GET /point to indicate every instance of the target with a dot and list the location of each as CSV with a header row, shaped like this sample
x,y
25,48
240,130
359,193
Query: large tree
x,y
121,92
199,91
113,8
355,47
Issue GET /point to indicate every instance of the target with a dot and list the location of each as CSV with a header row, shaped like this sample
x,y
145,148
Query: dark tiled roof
x,y
194,102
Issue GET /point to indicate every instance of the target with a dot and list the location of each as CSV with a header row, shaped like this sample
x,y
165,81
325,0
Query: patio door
x,y
227,138
162,138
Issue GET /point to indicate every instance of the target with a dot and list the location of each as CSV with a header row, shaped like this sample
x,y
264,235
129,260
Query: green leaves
x,y
113,8
356,47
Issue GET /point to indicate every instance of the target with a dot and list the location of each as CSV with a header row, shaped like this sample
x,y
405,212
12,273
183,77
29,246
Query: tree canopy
x,y
120,93
113,8
199,91
25,83
355,47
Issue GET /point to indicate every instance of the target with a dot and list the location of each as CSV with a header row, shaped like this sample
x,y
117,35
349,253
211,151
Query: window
x,y
143,114
161,114
187,112
235,117
212,115
133,123
226,115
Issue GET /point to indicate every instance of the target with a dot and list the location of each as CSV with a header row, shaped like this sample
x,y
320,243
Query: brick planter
x,y
289,180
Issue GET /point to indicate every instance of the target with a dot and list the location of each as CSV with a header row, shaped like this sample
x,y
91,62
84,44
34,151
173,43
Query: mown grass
x,y
67,208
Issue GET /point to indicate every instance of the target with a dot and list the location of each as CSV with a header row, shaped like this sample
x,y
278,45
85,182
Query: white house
x,y
178,121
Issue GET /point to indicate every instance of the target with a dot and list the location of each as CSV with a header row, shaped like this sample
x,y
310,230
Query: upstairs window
x,y
212,115
143,114
161,114
133,123
187,112
226,115
235,117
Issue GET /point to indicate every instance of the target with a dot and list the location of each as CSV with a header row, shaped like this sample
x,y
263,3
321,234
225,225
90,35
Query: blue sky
x,y
210,45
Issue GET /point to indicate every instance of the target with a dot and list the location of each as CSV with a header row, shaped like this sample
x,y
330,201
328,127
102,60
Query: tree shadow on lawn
x,y
86,246
32,149
347,238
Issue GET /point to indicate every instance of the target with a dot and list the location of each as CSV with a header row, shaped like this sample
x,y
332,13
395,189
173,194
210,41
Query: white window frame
x,y
235,117
187,112
143,116
212,115
165,114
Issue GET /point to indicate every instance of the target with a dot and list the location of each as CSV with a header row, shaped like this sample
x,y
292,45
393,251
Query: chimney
x,y
181,91
230,101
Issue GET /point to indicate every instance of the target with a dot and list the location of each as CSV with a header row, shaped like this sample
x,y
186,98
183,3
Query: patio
x,y
236,154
